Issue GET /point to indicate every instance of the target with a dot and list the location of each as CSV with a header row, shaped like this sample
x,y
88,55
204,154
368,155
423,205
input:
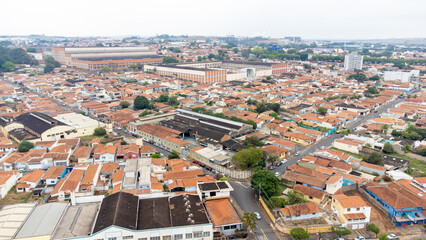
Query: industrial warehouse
x,y
214,72
95,58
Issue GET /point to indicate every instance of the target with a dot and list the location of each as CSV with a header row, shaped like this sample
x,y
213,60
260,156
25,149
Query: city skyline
x,y
321,20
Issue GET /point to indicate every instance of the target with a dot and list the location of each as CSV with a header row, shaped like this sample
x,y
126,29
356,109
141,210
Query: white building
x,y
410,76
353,61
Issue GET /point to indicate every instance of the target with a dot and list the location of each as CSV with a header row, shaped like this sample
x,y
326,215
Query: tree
x,y
141,102
8,66
25,146
299,233
48,68
372,90
385,128
253,141
341,231
162,98
124,143
373,228
274,115
99,131
322,111
374,78
247,158
173,155
265,182
407,148
272,159
106,69
375,158
134,67
249,220
388,148
422,151
173,101
144,113
124,104
155,155
168,59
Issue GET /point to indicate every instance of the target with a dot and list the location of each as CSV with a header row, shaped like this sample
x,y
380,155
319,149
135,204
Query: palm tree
x,y
385,128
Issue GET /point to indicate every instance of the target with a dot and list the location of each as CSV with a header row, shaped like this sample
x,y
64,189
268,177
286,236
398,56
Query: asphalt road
x,y
244,194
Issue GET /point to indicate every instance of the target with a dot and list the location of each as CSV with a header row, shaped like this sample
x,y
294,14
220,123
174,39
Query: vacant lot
x,y
13,197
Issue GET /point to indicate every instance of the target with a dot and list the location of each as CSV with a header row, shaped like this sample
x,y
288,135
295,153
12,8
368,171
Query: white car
x,y
393,236
297,154
359,238
257,215
277,174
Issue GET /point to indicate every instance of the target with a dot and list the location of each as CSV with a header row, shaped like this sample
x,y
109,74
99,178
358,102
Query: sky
x,y
309,19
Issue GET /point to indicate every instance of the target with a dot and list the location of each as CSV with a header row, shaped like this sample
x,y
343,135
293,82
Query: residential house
x,y
352,211
301,211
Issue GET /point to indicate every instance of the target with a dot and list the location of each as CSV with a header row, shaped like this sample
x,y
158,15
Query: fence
x,y
89,199
311,229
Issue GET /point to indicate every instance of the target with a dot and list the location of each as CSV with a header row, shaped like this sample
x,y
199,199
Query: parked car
x,y
258,217
284,161
201,164
297,154
393,236
215,171
209,168
322,148
277,174
279,164
195,161
339,239
359,238
272,167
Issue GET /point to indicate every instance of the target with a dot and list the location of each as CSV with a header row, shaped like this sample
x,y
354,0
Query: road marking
x,y
263,233
242,184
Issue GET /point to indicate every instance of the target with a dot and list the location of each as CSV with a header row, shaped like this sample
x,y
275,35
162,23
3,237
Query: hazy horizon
x,y
311,20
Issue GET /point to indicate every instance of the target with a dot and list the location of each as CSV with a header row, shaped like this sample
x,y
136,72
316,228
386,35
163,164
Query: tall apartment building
x,y
95,58
353,61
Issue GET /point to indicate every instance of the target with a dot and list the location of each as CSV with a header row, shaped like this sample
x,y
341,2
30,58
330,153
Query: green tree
x,y
385,128
247,158
249,220
253,141
144,113
375,158
274,115
48,68
8,66
407,148
388,148
162,98
422,151
124,143
168,59
372,90
155,155
373,228
299,233
25,146
173,155
173,101
134,67
322,111
99,131
374,78
265,182
106,69
141,102
124,104
272,158
341,231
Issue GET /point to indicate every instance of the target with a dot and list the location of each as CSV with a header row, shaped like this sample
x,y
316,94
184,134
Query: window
x,y
226,227
348,209
188,236
357,209
206,234
128,237
168,237
310,197
178,236
155,238
112,238
212,194
198,234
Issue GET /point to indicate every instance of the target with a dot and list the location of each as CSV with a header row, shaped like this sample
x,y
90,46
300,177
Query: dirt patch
x,y
382,220
14,197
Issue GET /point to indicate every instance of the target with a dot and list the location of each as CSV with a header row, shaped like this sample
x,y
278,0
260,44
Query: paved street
x,y
244,195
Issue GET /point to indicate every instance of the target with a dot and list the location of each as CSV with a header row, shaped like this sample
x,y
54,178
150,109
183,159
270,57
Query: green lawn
x,y
414,163
281,189
88,137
